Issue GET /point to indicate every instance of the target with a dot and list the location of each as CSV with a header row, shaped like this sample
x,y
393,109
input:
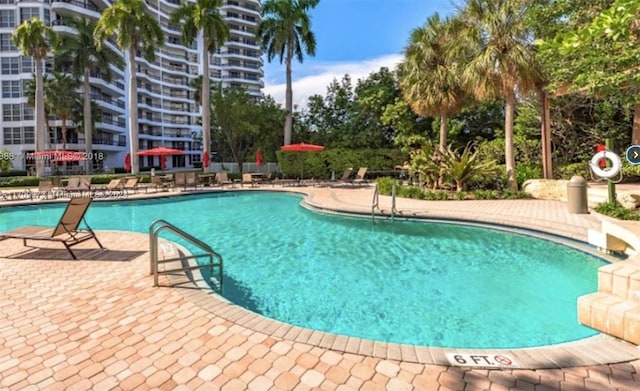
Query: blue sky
x,y
355,37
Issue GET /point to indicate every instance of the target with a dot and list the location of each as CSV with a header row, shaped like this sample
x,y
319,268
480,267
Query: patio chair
x,y
25,194
223,179
247,178
131,183
45,189
360,179
180,180
191,180
344,178
67,230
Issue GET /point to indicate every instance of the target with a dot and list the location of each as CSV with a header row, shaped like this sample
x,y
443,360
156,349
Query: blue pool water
x,y
420,283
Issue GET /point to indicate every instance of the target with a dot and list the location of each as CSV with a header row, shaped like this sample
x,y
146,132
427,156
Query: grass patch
x,y
616,210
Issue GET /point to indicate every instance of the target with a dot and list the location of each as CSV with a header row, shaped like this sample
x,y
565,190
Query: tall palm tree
x,y
203,16
35,39
502,62
430,73
285,31
135,30
62,99
80,52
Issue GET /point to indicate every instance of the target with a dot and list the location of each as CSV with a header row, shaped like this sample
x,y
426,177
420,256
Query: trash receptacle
x,y
577,195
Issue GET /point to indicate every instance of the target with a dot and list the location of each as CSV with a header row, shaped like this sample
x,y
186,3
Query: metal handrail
x,y
393,200
154,229
374,202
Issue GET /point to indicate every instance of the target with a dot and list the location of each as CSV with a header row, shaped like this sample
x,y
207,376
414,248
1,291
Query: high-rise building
x,y
167,111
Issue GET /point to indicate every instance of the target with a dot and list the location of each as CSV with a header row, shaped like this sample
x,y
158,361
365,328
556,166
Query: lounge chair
x,y
180,180
25,194
45,189
247,178
67,231
191,180
344,178
360,179
223,179
161,183
131,184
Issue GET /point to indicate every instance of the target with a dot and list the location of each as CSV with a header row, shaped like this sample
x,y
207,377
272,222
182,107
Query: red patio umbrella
x,y
127,162
258,158
302,147
163,162
205,159
159,151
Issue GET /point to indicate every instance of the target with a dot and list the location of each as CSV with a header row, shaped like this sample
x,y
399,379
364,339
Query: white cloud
x,y
317,83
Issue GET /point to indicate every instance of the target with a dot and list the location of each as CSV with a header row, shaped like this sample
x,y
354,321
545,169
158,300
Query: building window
x,y
28,112
47,17
27,65
5,43
29,135
7,18
9,65
11,88
11,136
28,13
11,112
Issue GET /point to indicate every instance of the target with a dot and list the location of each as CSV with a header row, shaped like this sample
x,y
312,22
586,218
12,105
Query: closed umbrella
x,y
258,158
127,162
205,159
302,147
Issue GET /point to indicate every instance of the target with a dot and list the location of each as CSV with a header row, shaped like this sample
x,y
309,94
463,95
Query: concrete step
x,y
611,315
621,279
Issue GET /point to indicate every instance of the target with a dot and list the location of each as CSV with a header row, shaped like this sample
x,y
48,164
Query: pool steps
x,y
615,236
615,308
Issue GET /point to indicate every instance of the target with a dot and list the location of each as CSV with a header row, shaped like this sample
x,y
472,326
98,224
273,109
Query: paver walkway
x,y
98,324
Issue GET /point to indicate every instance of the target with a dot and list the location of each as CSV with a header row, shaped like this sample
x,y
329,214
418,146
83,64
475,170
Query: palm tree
x,y
285,31
203,15
35,39
80,52
502,62
62,100
135,31
430,75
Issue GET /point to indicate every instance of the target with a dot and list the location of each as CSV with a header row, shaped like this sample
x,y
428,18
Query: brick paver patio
x,y
98,323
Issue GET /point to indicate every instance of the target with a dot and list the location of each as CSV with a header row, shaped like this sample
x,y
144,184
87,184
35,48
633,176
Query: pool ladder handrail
x,y
159,225
375,203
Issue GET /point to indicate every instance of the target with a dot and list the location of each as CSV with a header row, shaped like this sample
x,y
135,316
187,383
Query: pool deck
x,y
98,323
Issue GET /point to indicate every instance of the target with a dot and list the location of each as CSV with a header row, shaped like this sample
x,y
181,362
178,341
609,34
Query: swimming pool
x,y
420,283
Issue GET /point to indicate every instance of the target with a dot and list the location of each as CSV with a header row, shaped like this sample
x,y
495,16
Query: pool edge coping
x,y
599,349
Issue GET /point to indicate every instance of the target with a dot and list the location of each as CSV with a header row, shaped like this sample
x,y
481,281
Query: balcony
x,y
74,8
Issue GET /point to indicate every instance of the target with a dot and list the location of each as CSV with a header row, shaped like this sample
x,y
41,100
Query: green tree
x,y
502,61
598,53
285,32
135,30
371,97
236,122
203,15
430,73
5,160
80,53
35,39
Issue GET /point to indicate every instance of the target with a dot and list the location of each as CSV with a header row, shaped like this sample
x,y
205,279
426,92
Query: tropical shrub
x,y
526,172
616,210
461,167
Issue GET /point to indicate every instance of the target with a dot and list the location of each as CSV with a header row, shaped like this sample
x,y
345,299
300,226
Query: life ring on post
x,y
606,172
